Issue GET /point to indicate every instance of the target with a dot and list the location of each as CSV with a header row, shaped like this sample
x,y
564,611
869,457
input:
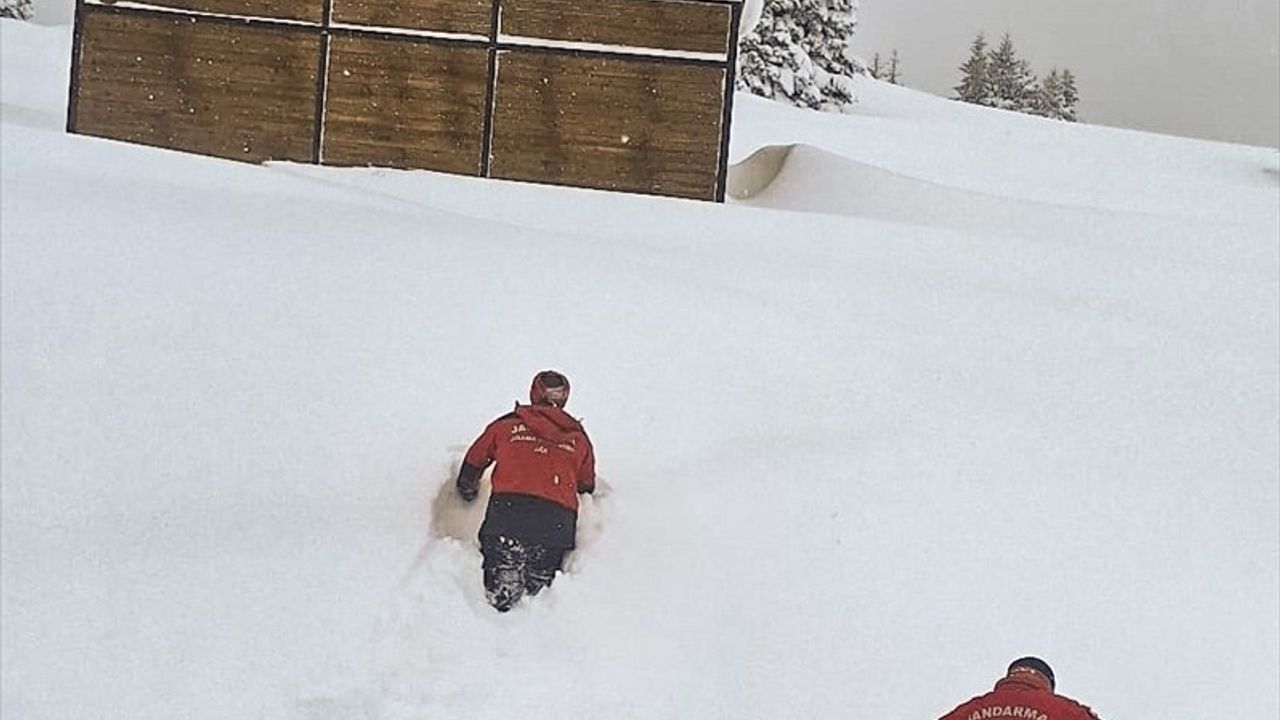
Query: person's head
x,y
1032,665
549,388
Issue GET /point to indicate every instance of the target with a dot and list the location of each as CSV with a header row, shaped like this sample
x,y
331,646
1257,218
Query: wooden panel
x,y
661,24
205,86
622,124
457,16
405,103
308,10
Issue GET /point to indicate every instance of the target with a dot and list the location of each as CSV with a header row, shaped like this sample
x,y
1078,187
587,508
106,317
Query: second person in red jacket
x,y
1026,691
543,460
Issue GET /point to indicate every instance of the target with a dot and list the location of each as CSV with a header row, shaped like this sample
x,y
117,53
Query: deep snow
x,y
960,385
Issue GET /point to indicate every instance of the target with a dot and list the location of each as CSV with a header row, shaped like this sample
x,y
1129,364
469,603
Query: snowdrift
x,y
805,178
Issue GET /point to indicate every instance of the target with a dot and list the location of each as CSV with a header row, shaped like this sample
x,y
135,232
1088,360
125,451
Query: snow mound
x,y
804,178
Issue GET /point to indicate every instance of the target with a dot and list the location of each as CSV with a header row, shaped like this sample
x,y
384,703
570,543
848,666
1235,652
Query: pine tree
x,y
893,67
876,70
1069,96
18,9
799,51
1012,82
1049,97
975,85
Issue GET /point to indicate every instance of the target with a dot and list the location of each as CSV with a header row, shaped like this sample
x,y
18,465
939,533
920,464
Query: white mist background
x,y
1193,68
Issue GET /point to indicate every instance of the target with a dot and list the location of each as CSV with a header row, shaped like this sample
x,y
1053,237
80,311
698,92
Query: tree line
x,y
886,70
997,77
799,52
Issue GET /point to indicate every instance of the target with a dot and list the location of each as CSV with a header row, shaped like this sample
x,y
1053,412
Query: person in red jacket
x,y
543,460
1026,691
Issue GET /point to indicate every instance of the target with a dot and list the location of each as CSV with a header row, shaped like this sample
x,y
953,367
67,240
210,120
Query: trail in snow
x,y
439,606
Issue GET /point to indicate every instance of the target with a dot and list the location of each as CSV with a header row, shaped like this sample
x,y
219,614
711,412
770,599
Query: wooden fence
x,y
631,95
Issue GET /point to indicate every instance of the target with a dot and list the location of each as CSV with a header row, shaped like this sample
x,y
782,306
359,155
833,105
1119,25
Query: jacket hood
x,y
549,422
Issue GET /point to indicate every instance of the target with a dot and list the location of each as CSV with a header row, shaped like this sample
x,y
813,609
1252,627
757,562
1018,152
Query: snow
x,y
961,385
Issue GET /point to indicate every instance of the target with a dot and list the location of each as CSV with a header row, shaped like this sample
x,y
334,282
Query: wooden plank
x,y
604,122
659,24
214,87
472,17
405,103
305,10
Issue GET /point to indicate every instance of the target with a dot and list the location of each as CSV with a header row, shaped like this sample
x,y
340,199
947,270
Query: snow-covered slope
x,y
960,385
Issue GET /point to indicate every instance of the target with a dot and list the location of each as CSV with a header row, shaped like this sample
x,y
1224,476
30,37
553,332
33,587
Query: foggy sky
x,y
1197,68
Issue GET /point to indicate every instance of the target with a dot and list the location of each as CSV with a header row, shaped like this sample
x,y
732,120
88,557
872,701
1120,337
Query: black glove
x,y
469,482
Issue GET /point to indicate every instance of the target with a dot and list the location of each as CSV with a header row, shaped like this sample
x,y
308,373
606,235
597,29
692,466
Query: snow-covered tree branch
x,y
799,53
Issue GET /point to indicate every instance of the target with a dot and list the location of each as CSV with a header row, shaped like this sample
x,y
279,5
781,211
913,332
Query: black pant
x,y
515,567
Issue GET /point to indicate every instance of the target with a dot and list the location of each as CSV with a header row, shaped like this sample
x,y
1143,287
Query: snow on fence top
x,y
631,95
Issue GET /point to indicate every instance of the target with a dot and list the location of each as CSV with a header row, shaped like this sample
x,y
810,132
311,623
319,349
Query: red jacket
x,y
540,451
1026,696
